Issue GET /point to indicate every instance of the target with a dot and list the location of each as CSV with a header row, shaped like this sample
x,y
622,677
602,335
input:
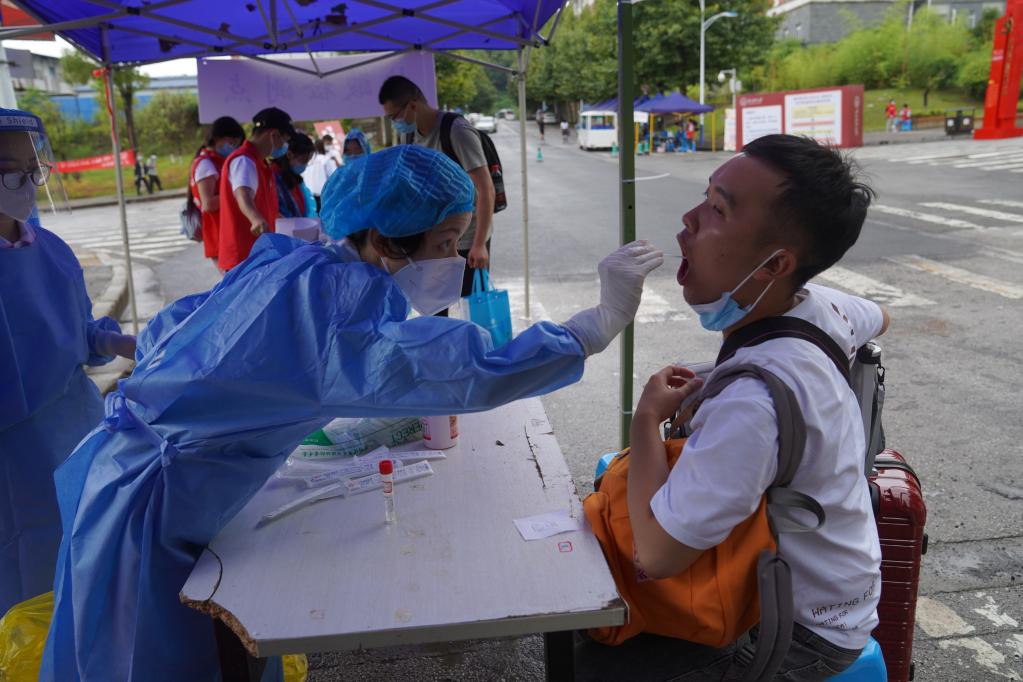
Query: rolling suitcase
x,y
900,513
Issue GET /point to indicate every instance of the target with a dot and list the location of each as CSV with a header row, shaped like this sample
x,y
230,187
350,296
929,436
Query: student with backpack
x,y
419,123
777,414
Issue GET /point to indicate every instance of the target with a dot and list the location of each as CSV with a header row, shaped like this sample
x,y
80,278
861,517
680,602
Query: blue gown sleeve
x,y
310,202
99,334
384,364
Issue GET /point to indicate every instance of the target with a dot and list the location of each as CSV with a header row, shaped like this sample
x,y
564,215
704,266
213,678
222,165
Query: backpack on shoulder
x,y
744,580
489,152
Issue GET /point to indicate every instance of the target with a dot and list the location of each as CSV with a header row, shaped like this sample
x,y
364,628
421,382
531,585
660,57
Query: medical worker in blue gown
x,y
47,404
229,382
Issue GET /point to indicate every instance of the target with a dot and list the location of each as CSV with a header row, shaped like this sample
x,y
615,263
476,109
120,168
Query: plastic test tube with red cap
x,y
387,478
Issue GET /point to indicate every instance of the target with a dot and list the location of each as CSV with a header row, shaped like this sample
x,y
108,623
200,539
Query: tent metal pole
x,y
119,177
627,189
524,173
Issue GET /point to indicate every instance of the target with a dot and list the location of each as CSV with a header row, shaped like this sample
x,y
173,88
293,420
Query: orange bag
x,y
712,602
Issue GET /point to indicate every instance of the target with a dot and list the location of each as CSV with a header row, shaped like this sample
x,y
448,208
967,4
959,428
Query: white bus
x,y
598,129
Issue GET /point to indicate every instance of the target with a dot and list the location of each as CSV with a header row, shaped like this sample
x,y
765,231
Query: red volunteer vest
x,y
236,238
210,219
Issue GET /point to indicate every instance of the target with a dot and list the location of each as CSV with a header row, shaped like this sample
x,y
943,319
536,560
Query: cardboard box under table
x,y
333,576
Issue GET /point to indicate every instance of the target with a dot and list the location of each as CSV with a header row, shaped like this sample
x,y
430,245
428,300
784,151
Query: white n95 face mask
x,y
18,203
433,284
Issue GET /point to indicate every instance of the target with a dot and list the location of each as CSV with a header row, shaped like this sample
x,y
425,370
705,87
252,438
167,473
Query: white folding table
x,y
333,576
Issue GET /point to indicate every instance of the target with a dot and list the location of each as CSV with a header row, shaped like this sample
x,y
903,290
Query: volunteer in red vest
x,y
248,193
226,135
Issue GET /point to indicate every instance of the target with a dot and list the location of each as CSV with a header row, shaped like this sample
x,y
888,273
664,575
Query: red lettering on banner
x,y
95,162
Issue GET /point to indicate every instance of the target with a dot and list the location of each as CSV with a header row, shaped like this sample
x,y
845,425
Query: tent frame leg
x,y
115,139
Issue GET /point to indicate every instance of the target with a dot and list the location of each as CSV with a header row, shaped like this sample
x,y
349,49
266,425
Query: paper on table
x,y
545,525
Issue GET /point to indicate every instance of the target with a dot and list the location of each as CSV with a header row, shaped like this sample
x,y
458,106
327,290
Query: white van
x,y
598,129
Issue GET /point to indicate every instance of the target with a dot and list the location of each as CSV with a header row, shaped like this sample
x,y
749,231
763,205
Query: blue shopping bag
x,y
489,308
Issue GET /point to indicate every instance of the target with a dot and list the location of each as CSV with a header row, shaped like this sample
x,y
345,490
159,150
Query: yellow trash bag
x,y
23,633
22,638
296,668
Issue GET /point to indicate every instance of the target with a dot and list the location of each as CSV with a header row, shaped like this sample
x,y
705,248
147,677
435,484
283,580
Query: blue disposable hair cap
x,y
399,191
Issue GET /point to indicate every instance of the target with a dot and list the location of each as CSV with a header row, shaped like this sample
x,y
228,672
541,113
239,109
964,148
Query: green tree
x,y
78,69
668,40
70,138
170,123
457,81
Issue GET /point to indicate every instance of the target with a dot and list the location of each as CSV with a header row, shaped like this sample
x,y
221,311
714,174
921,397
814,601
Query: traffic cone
x,y
539,154
614,149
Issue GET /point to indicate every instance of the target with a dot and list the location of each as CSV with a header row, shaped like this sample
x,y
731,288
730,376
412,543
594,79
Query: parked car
x,y
550,117
486,124
473,117
506,114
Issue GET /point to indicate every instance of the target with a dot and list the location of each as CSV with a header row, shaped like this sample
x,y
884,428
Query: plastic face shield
x,y
28,170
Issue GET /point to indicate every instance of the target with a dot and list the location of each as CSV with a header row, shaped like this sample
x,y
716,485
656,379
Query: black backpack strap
x,y
446,122
784,326
774,576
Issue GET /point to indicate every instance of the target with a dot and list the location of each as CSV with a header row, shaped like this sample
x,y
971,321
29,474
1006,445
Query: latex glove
x,y
109,343
621,289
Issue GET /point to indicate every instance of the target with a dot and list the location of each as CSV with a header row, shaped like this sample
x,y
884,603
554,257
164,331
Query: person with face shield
x,y
294,200
226,135
356,145
248,190
229,382
47,403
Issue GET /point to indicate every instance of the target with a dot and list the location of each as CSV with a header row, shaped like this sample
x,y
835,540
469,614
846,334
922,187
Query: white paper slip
x,y
355,486
335,490
545,525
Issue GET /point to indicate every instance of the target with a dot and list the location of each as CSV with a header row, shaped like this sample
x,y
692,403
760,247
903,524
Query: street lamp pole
x,y
704,25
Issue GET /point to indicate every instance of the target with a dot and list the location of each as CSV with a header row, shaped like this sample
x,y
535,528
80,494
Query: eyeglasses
x,y
397,115
15,179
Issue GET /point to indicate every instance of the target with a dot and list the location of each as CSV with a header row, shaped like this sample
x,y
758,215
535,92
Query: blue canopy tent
x,y
139,32
673,103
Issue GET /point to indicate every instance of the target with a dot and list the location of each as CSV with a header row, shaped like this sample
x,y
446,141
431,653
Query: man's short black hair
x,y
822,205
399,89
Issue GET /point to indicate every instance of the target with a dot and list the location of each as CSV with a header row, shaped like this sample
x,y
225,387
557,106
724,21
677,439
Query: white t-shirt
x,y
243,173
205,169
732,457
316,173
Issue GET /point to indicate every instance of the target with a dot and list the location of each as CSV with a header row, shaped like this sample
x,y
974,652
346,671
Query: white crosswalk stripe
x,y
867,287
960,275
152,243
1008,160
972,210
926,217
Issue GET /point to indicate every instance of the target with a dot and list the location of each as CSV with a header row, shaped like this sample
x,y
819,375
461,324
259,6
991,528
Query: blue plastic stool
x,y
603,463
869,667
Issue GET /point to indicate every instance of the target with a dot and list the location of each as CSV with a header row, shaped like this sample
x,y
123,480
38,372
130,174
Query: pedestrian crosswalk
x,y
153,231
963,155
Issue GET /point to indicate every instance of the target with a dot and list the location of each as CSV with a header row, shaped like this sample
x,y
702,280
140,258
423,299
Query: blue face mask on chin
x,y
348,158
298,168
725,312
404,127
279,151
226,149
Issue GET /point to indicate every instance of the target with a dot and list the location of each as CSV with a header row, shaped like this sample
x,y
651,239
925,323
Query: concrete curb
x,y
111,200
114,298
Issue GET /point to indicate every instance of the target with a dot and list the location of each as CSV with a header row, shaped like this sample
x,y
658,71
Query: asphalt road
x,y
942,248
